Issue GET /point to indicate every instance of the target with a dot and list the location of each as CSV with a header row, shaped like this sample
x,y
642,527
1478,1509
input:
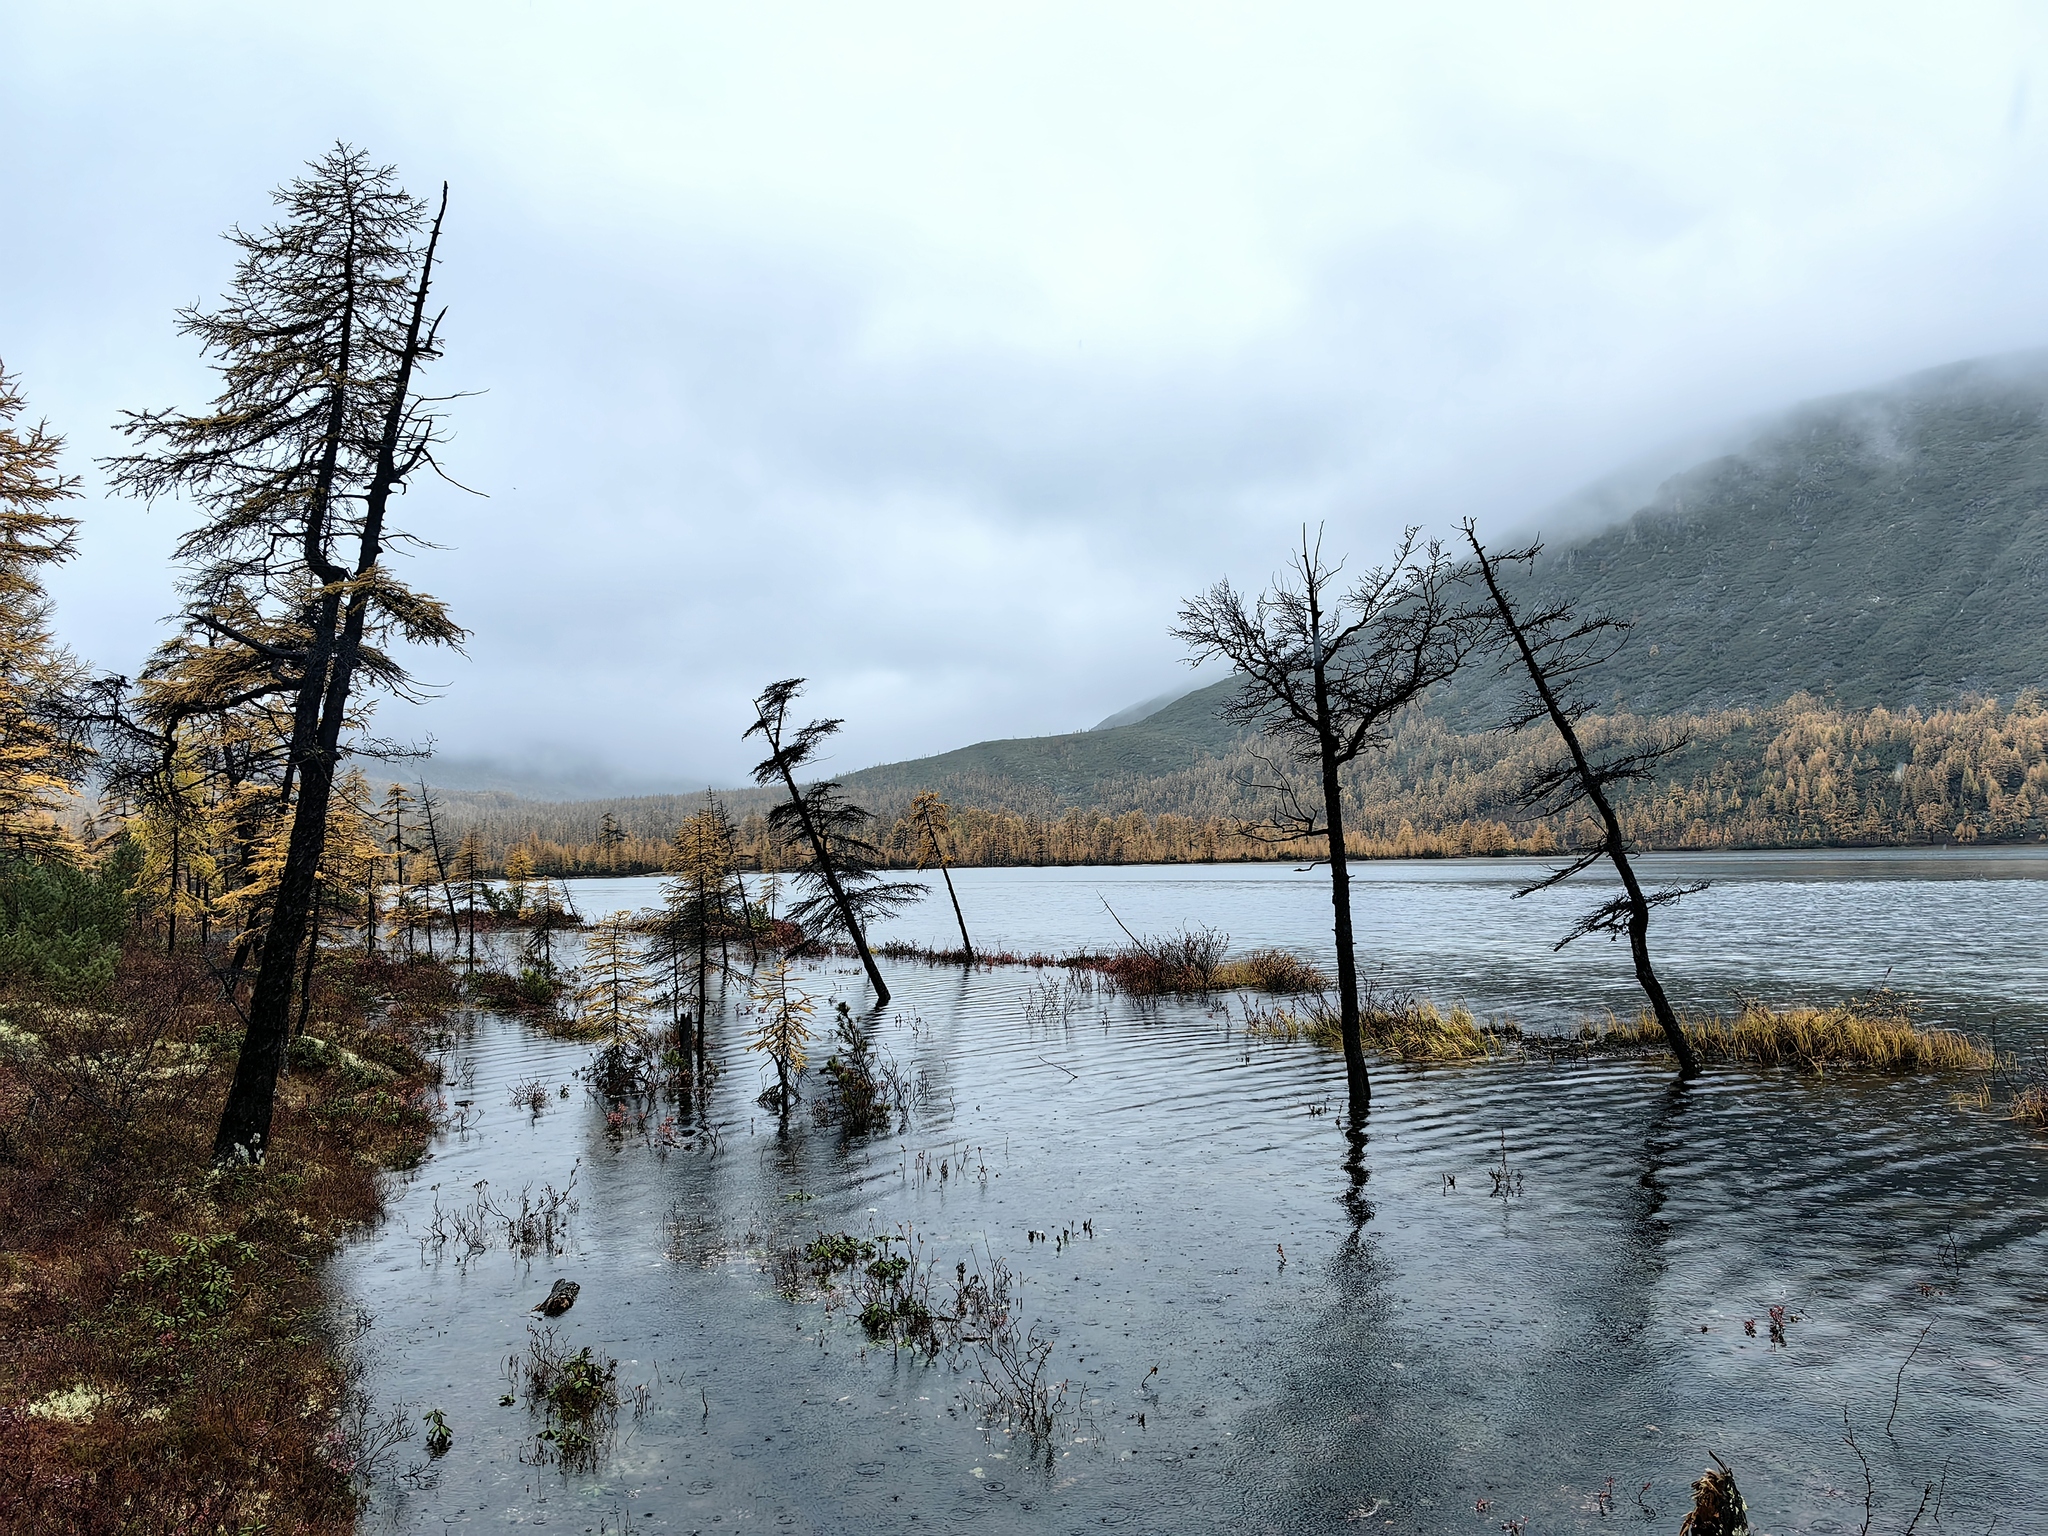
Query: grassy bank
x,y
168,1359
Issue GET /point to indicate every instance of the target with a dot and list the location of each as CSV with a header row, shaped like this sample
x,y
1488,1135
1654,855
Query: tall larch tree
x,y
319,423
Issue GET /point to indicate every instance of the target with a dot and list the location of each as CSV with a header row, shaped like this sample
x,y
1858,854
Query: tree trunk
x,y
1355,1077
171,944
1356,1081
1615,845
306,975
860,940
318,717
966,944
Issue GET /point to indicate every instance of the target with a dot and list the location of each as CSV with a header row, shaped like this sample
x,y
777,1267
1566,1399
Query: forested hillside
x,y
1823,611
1806,773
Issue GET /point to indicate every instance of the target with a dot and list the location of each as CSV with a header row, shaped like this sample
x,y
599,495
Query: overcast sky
x,y
934,353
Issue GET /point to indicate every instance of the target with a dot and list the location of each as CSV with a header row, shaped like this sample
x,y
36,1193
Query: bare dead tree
x,y
838,864
1325,670
439,855
1556,648
933,818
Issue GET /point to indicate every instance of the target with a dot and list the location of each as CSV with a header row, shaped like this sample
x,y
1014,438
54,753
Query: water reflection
x,y
1426,1344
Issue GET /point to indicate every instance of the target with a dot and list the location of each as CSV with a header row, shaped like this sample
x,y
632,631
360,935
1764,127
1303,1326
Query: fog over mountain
x,y
936,355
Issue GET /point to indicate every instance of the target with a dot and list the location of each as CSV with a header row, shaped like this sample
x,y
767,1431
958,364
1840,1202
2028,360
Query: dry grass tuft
x,y
1404,1028
2030,1107
1270,970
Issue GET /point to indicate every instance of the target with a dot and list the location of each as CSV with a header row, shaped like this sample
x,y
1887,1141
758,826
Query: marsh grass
x,y
1874,1030
2030,1107
1274,971
1397,1025
1188,962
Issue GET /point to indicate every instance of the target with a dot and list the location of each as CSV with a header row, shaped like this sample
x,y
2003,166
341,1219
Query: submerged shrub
x,y
576,1395
865,1094
1187,961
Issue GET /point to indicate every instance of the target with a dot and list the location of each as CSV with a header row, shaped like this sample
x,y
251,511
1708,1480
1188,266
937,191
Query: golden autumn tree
x,y
177,830
42,754
613,997
703,909
782,1031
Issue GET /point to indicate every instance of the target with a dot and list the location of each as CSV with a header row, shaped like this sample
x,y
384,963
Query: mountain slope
x,y
1889,546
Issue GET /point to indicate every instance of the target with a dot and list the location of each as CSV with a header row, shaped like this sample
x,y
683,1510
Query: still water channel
x,y
1427,1358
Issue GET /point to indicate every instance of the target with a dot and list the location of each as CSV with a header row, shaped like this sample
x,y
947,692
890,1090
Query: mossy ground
x,y
168,1359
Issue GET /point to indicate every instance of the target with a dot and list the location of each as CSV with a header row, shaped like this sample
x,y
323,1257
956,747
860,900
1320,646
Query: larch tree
x,y
1325,668
226,709
1554,648
319,423
397,801
701,912
835,863
43,751
613,996
930,819
435,873
547,915
782,1031
175,826
518,876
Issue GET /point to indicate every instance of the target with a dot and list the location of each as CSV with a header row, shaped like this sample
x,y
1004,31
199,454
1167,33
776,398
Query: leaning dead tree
x,y
932,818
1555,648
318,425
1325,669
838,865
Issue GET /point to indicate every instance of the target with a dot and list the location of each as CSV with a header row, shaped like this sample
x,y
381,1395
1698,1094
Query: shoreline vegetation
x,y
1285,999
1805,774
170,1355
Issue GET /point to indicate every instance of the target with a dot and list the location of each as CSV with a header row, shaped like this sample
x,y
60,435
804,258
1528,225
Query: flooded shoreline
x,y
1427,1345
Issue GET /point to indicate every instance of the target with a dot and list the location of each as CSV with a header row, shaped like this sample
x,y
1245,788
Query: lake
x,y
1266,1322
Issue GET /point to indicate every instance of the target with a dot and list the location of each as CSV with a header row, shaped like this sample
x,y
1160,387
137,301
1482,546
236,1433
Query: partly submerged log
x,y
560,1299
1717,1507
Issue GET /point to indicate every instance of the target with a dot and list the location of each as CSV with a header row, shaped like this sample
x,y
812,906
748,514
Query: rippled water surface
x,y
1425,1349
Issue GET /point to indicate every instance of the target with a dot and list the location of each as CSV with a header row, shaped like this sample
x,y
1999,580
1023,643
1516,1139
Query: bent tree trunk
x,y
966,944
1615,846
846,913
